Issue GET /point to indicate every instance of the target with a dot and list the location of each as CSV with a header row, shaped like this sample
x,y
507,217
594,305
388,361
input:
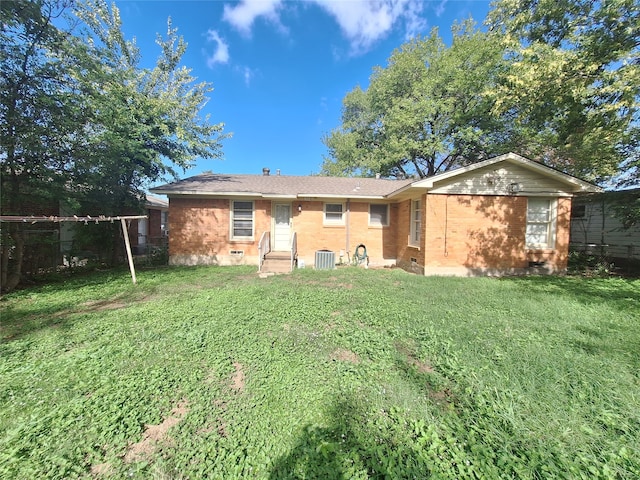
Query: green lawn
x,y
352,373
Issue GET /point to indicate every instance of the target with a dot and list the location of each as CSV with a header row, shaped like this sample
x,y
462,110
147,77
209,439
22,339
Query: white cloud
x,y
221,53
439,9
363,22
248,75
242,15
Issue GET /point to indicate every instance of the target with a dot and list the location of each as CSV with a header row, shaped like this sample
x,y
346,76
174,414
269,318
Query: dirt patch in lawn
x,y
344,355
238,378
155,435
101,470
407,348
101,305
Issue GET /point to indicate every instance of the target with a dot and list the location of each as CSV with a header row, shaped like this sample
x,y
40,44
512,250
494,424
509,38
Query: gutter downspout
x,y
348,230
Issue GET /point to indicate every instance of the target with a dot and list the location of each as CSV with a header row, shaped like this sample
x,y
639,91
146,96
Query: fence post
x,y
127,245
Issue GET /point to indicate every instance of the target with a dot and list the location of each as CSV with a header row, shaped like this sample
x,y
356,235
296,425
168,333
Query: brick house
x,y
151,231
504,215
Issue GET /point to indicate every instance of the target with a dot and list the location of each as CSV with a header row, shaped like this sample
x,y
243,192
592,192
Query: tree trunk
x,y
4,259
13,277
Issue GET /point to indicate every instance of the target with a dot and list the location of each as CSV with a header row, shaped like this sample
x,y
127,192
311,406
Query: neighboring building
x,y
597,230
151,231
505,215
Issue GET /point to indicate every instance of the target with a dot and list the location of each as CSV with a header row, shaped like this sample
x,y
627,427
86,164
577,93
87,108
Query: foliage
x,y
574,83
428,111
320,374
589,264
82,121
626,206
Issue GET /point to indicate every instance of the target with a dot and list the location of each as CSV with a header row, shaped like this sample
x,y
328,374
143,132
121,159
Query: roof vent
x,y
265,171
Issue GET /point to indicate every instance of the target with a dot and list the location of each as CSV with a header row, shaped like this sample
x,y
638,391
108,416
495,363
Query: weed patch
x,y
213,372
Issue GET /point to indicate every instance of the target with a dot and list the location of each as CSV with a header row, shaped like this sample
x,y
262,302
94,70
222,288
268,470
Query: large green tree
x,y
574,82
429,110
81,121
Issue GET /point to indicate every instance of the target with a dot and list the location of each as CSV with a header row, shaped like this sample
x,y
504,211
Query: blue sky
x,y
280,69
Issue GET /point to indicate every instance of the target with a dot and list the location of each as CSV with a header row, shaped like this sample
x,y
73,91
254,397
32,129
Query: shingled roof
x,y
282,186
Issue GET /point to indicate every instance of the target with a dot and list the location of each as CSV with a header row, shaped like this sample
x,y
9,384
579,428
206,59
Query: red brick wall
x,y
483,233
405,252
314,235
486,234
200,226
477,232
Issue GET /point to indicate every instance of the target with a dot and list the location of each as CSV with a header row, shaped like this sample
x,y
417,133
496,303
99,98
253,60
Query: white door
x,y
282,227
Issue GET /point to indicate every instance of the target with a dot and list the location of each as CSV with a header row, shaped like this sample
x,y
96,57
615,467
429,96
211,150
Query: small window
x,y
242,220
164,222
334,213
378,215
416,223
578,211
540,223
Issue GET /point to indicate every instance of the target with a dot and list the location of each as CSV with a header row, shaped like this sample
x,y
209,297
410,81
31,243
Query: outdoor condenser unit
x,y
325,260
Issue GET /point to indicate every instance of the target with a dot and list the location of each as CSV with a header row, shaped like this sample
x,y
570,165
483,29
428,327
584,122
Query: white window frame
x,y
164,222
534,220
232,220
415,223
333,221
385,223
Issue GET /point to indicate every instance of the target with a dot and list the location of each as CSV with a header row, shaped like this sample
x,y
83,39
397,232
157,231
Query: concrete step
x,y
278,256
276,266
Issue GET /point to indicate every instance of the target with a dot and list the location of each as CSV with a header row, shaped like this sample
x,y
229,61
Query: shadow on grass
x,y
22,314
623,294
355,445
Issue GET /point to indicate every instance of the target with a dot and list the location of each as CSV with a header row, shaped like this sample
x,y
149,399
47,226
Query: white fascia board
x,y
401,191
344,197
198,193
278,196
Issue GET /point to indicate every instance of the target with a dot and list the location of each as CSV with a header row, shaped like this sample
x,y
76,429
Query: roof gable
x,y
504,175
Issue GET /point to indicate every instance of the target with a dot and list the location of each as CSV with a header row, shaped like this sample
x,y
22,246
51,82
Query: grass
x,y
213,372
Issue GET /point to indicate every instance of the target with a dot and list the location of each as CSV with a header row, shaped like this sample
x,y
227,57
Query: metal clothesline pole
x,y
86,219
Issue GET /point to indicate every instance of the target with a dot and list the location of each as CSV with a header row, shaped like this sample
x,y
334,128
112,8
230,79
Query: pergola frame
x,y
86,219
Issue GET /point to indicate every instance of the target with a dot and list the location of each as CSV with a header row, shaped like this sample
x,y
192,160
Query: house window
x,y
164,222
378,215
416,223
242,220
540,223
334,213
578,211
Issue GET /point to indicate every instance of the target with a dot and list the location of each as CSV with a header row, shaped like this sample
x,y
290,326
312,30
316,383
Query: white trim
x,y
388,220
267,196
231,219
274,206
327,222
338,196
415,227
551,226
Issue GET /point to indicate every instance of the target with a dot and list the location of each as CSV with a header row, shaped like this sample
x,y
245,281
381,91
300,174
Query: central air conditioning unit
x,y
325,260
